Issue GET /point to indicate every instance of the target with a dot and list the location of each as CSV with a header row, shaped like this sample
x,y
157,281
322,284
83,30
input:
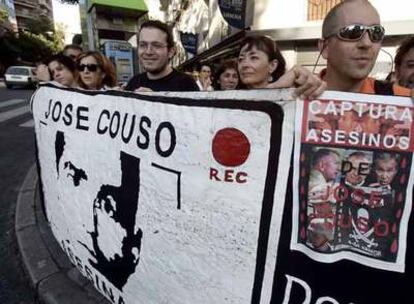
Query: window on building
x,y
317,9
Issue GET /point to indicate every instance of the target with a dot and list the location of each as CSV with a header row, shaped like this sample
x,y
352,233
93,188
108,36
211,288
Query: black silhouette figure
x,y
120,204
78,174
59,148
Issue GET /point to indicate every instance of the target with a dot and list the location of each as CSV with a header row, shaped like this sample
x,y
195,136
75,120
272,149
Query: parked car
x,y
21,76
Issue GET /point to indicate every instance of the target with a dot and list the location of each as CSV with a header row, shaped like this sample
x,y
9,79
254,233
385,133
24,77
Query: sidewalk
x,y
55,279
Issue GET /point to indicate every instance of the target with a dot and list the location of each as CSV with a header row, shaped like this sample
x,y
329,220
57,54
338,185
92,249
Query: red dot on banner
x,y
231,147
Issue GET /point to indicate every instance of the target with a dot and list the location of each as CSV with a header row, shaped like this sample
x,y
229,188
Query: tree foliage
x,y
28,47
3,15
42,25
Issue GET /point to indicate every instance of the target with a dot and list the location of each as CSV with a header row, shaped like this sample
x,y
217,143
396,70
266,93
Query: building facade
x,y
109,20
8,20
295,25
32,10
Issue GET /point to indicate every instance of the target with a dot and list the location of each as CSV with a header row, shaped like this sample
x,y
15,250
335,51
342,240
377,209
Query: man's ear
x,y
171,52
323,47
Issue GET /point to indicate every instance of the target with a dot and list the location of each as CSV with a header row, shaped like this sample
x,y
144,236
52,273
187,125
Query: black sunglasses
x,y
90,67
355,32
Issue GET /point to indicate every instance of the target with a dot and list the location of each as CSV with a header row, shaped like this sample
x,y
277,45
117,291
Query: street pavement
x,y
33,267
16,157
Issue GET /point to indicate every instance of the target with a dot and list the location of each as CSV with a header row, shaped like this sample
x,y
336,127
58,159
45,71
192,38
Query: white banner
x,y
167,198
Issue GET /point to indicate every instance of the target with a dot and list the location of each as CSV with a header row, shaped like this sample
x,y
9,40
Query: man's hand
x,y
206,83
307,84
143,89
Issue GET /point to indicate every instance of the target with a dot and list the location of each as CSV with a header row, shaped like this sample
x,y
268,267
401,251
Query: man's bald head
x,y
331,23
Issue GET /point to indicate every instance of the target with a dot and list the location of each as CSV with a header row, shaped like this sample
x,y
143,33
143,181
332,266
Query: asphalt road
x,y
16,157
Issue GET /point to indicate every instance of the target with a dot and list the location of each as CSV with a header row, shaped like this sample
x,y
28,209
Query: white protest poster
x,y
168,198
353,180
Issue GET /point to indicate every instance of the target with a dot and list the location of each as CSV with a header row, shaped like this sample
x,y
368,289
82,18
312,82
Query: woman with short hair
x,y
227,77
261,65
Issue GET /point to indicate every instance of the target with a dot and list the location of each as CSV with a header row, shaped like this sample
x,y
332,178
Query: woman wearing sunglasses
x,y
59,68
261,65
96,71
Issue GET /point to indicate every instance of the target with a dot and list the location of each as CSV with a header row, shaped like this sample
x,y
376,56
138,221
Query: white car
x,y
21,76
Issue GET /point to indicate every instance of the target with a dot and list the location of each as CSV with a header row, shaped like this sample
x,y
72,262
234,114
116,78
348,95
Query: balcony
x,y
317,9
26,14
24,3
46,4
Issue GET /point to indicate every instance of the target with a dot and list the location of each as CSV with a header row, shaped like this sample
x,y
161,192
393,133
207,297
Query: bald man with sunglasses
x,y
352,37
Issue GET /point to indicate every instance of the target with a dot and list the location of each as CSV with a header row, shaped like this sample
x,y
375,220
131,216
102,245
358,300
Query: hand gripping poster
x,y
353,177
167,198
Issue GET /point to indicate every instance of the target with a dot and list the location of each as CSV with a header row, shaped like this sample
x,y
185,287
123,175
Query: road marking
x,y
14,113
28,124
11,102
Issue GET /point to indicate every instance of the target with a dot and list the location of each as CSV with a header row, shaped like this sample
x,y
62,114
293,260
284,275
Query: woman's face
x,y
229,79
61,74
254,67
91,73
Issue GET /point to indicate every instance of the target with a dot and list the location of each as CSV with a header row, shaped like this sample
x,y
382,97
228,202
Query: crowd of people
x,y
349,44
351,39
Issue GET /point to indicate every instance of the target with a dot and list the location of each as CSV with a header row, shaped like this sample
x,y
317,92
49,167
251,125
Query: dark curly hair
x,y
402,50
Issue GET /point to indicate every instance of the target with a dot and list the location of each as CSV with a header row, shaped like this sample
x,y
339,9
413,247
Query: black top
x,y
175,81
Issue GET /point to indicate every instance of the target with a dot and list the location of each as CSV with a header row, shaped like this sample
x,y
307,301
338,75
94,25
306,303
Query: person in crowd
x,y
155,51
59,68
72,51
385,169
326,167
204,78
404,64
261,65
227,77
357,168
96,71
352,35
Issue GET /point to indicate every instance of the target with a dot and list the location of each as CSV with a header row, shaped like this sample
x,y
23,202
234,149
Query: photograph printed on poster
x,y
354,169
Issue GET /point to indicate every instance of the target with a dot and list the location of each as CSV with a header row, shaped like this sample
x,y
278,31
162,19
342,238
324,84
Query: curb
x,y
55,279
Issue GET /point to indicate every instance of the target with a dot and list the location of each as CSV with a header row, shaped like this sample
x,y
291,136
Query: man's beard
x,y
157,69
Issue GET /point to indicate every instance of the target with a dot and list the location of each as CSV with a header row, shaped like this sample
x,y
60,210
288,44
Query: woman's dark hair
x,y
402,50
227,64
267,45
65,61
106,66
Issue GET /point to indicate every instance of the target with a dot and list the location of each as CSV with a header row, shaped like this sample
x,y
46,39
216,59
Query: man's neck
x,y
335,83
168,69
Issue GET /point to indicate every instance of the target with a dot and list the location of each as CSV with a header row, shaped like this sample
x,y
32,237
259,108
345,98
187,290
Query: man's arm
x,y
307,84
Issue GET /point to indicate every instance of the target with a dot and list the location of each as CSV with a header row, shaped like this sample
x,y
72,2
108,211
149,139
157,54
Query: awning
x,y
127,8
225,48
